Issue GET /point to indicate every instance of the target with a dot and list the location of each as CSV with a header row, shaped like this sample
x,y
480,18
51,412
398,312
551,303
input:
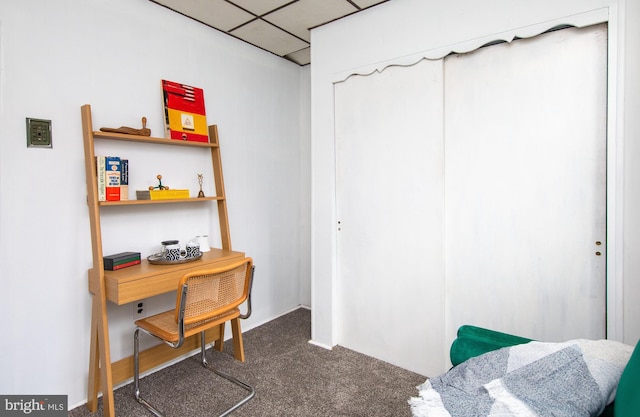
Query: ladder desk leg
x,y
100,373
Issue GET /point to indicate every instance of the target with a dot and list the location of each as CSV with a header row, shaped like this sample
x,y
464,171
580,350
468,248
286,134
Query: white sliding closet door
x,y
525,140
390,202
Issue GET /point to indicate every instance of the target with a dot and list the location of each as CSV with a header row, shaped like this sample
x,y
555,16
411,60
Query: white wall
x,y
401,30
305,186
57,56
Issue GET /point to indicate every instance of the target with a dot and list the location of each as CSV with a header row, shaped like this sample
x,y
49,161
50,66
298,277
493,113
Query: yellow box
x,y
161,194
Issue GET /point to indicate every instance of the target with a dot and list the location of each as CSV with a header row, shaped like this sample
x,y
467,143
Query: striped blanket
x,y
575,378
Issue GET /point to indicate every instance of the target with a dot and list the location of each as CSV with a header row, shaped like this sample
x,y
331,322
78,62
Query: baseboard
x,y
284,313
322,345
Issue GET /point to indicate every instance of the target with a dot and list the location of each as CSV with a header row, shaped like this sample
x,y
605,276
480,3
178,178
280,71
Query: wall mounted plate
x,y
39,133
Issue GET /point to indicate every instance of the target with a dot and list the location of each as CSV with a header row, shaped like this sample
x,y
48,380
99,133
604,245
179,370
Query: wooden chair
x,y
205,299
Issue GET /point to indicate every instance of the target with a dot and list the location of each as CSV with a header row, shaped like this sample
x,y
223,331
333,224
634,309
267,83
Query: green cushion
x,y
474,341
627,401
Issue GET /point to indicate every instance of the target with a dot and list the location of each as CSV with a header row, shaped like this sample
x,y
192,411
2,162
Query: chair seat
x,y
164,324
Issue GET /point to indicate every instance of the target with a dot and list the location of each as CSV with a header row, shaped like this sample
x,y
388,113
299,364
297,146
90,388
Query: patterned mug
x,y
172,253
192,250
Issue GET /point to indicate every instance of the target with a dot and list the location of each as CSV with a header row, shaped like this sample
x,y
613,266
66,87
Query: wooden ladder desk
x,y
145,280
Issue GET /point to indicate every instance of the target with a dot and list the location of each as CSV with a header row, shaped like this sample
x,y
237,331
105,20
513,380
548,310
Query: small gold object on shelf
x,y
130,130
200,179
159,186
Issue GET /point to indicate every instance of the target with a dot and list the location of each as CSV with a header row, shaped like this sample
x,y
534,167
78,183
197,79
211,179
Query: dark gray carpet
x,y
291,377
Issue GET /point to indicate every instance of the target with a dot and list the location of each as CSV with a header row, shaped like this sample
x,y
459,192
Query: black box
x,y
111,262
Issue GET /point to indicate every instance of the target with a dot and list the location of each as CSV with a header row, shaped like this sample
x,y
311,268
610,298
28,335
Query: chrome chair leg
x,y
247,387
136,375
203,349
203,358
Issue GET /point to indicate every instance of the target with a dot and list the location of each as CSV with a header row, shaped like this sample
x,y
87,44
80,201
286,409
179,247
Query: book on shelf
x,y
101,175
124,179
113,170
120,260
184,111
162,194
108,174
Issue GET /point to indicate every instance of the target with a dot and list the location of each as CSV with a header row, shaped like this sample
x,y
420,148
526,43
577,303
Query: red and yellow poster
x,y
185,116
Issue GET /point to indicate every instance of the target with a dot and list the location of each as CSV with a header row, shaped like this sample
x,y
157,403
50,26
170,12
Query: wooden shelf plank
x,y
150,139
173,200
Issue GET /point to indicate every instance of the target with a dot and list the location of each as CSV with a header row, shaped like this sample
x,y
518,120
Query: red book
x,y
126,264
185,116
112,174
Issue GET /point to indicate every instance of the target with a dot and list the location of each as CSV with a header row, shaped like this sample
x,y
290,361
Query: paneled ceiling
x,y
278,26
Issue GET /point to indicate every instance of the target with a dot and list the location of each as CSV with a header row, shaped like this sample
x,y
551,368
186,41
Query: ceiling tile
x,y
260,7
269,37
279,26
301,57
298,17
216,13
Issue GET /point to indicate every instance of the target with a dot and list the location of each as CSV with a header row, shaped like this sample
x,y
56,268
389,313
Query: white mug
x,y
204,243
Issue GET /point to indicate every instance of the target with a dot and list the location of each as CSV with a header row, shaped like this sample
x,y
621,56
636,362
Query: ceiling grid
x,y
281,27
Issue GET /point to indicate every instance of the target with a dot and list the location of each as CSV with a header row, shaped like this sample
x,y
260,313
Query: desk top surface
x,y
145,280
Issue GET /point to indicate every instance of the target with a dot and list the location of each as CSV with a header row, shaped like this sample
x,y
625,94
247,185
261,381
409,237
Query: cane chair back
x,y
214,292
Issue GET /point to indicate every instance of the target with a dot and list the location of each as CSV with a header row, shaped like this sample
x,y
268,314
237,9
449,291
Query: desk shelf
x,y
140,281
173,200
155,140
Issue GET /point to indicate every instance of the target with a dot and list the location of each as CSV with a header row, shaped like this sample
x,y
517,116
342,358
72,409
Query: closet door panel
x,y
390,219
525,140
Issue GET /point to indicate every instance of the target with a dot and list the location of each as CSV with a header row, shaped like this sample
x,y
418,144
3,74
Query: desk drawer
x,y
146,280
